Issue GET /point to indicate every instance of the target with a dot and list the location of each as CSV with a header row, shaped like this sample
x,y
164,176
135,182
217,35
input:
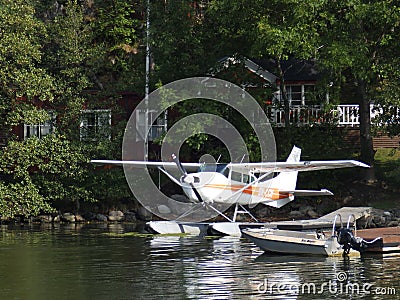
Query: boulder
x,y
68,217
163,209
57,219
181,198
89,216
130,216
392,224
116,215
305,209
312,214
296,214
79,218
45,218
144,214
101,218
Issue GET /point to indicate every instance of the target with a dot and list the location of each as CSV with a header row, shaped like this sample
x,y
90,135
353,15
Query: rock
x,y
116,215
263,212
177,208
57,219
347,199
181,198
296,214
130,216
312,214
101,218
144,214
163,209
326,207
377,219
89,216
68,217
45,218
305,209
392,224
79,218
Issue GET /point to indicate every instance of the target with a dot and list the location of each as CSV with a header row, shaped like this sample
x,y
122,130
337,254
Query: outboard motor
x,y
346,238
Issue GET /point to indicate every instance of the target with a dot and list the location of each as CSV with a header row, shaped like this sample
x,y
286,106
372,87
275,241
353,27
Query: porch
x,y
344,115
341,115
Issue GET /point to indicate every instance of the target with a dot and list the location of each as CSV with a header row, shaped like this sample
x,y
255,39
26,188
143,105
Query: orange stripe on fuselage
x,y
267,193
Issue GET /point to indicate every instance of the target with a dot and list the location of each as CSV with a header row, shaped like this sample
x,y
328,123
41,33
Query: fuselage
x,y
220,188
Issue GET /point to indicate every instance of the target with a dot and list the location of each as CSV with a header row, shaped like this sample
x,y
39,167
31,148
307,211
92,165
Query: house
x,y
308,103
307,94
92,123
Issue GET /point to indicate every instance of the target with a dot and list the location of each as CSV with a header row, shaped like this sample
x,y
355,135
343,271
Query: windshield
x,y
220,168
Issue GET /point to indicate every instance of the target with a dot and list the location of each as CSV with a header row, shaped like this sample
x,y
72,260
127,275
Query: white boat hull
x,y
293,242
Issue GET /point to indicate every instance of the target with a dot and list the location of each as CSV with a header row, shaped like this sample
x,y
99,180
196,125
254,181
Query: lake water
x,y
107,261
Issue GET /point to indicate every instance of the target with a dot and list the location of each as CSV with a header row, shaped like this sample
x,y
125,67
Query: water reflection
x,y
99,261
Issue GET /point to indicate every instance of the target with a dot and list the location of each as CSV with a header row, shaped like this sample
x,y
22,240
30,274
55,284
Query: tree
x,y
119,27
23,80
176,40
356,42
288,29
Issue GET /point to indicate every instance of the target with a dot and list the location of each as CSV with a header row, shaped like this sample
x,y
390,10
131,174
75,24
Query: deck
x,y
389,235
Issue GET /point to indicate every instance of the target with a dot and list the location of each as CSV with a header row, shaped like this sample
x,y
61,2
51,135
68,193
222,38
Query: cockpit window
x,y
220,168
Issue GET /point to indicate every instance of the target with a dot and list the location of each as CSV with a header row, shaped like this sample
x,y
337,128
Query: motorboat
x,y
341,241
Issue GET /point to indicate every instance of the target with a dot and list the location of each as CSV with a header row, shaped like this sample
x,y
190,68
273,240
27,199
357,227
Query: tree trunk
x,y
366,143
284,96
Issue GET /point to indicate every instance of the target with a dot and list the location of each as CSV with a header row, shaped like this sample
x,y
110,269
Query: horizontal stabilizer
x,y
323,192
277,203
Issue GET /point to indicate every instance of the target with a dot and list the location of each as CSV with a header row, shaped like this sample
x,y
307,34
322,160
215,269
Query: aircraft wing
x,y
265,167
145,164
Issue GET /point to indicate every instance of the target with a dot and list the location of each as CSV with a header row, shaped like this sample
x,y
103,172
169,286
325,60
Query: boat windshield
x,y
220,168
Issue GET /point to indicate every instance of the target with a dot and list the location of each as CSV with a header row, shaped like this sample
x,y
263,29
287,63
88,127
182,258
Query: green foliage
x,y
176,38
53,52
36,172
388,166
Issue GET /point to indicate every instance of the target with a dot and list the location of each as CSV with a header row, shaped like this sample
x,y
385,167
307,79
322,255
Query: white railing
x,y
348,115
343,115
299,115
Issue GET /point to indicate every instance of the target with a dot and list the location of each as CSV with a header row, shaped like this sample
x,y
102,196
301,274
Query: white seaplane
x,y
239,184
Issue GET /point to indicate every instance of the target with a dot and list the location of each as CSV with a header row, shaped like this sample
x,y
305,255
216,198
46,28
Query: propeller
x,y
184,175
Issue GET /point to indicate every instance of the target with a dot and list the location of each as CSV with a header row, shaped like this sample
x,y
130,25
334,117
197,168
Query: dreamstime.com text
x,y
337,287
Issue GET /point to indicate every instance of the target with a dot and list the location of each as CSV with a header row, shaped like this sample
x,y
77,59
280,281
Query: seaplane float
x,y
238,184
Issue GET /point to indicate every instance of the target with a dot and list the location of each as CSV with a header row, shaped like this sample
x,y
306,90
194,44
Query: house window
x,y
299,95
95,125
40,130
295,94
156,126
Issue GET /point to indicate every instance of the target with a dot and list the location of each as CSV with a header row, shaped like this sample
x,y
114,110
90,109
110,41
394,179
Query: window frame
x,y
92,130
42,129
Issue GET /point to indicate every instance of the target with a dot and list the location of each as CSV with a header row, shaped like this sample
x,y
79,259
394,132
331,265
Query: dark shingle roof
x,y
294,70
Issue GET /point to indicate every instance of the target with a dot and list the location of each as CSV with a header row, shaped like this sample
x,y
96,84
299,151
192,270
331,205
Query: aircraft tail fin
x,y
287,180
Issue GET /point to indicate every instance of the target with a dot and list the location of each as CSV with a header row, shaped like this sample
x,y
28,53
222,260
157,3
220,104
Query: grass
x,y
387,162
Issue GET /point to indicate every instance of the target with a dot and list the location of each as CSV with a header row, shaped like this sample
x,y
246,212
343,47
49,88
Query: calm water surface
x,y
104,262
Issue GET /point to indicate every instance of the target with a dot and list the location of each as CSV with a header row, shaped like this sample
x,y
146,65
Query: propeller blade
x,y
179,165
184,173
196,192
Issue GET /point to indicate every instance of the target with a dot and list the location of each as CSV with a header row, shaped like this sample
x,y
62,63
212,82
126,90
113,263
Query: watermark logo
x,y
165,98
338,286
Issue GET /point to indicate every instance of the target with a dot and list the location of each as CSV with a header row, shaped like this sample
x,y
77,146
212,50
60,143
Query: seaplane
x,y
239,184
